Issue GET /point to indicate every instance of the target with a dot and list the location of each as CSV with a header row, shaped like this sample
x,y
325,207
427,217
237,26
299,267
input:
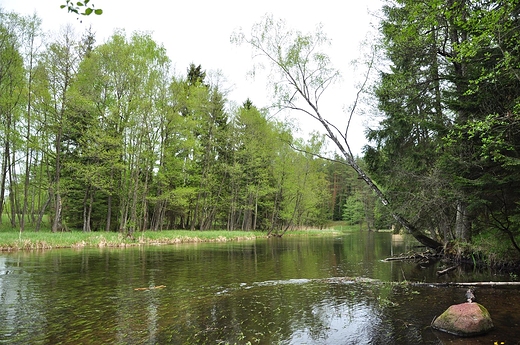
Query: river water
x,y
293,290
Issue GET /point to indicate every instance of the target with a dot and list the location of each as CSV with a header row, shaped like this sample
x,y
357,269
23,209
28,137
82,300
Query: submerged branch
x,y
449,269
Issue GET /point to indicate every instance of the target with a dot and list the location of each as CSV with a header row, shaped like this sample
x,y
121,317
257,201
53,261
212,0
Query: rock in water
x,y
465,319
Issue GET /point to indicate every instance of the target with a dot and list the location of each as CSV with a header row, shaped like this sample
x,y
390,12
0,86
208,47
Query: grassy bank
x,y
11,240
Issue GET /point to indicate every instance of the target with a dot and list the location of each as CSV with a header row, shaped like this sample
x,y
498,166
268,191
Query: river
x,y
292,290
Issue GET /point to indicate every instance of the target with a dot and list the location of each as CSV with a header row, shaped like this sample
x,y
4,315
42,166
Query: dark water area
x,y
293,290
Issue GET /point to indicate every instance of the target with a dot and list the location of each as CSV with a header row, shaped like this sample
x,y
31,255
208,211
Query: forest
x,y
446,150
103,137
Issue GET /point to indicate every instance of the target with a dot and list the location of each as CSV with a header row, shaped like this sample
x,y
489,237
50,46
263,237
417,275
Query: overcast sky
x,y
199,32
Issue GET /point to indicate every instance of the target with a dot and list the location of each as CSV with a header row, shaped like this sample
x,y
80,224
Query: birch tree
x,y
301,72
12,83
32,41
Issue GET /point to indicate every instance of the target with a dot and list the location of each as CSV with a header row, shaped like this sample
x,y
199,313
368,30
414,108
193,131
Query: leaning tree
x,y
300,73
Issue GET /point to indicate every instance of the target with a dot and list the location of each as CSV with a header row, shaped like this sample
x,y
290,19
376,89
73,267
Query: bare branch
x,y
358,95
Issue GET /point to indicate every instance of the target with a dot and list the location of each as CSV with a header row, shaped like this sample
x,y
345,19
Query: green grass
x,y
11,239
494,249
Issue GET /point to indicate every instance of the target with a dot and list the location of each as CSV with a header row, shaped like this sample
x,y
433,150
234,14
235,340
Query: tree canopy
x,y
104,137
446,148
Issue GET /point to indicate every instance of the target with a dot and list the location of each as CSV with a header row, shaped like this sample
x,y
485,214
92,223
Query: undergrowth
x,y
486,249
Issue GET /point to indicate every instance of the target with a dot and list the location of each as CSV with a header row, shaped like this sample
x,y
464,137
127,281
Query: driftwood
x,y
442,272
350,280
455,284
416,257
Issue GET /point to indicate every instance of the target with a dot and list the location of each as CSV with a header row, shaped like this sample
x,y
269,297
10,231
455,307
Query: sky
x,y
199,32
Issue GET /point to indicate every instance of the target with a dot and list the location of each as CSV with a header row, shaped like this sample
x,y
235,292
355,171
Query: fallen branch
x,y
454,284
442,272
351,280
426,256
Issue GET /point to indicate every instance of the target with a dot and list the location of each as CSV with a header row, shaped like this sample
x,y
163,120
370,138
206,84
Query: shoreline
x,y
14,241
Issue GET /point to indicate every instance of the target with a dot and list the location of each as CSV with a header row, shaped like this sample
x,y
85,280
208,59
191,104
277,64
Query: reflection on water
x,y
295,290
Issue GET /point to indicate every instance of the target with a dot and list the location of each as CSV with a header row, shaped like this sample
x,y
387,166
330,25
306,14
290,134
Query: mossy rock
x,y
465,320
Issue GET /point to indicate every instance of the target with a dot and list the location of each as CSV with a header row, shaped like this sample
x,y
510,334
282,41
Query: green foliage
x,y
353,211
113,141
83,8
446,149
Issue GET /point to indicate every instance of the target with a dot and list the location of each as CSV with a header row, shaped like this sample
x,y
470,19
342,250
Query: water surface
x,y
293,290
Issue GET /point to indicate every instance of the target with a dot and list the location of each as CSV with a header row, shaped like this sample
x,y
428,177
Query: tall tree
x,y
415,118
115,127
12,100
176,176
483,143
33,41
60,62
255,140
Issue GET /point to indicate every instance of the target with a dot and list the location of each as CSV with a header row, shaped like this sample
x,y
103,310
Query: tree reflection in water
x,y
295,290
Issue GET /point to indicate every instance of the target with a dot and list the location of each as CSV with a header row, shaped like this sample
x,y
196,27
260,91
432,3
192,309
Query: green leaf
x,y
88,11
98,11
79,3
63,6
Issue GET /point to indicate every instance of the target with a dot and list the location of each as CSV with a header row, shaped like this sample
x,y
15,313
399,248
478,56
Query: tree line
x,y
106,138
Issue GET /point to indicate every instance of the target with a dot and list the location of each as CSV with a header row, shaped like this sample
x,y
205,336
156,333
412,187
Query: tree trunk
x,y
89,213
255,215
3,178
109,213
416,233
462,223
87,209
56,224
42,213
13,195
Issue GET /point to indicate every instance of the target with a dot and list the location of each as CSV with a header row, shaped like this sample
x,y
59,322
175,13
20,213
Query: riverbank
x,y
13,241
484,251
